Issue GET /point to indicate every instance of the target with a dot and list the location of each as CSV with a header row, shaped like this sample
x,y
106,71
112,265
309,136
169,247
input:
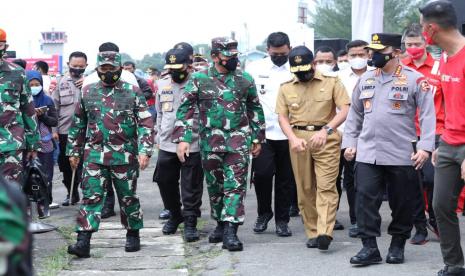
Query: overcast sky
x,y
141,27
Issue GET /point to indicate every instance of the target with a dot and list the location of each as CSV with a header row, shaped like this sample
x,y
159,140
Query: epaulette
x,y
288,81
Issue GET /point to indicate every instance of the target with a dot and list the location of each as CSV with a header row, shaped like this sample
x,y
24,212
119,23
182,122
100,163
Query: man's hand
x,y
39,112
318,140
143,161
419,159
31,155
79,83
55,136
256,149
434,157
182,151
73,162
298,144
349,154
463,170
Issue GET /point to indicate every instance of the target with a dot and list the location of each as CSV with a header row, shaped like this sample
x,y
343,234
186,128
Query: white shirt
x,y
349,80
46,80
268,78
125,76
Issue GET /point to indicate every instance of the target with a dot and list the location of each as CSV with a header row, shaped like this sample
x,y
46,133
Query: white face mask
x,y
35,90
358,63
324,68
343,65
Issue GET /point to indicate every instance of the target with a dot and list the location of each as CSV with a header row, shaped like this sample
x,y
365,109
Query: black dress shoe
x,y
338,226
324,241
367,256
171,226
66,201
353,231
282,229
396,251
294,211
217,235
420,237
312,243
164,214
262,222
449,272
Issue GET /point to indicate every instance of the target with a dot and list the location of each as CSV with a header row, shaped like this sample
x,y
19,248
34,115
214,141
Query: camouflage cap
x,y
2,35
225,45
109,57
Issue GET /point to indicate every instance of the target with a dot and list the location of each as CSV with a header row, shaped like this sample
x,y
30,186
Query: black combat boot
x,y
369,253
171,226
108,209
217,235
230,239
396,251
132,241
82,246
190,229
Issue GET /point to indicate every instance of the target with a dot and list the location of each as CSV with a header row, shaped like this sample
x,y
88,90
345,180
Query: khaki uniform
x,y
314,104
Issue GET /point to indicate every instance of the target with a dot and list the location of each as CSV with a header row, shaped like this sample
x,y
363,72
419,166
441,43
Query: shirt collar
x,y
429,61
271,65
317,76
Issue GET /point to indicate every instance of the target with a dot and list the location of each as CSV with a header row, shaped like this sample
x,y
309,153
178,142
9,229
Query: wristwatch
x,y
329,130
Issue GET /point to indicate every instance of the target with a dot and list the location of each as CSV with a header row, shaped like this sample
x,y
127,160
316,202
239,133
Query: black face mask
x,y
76,72
179,76
305,76
230,64
110,78
279,60
379,60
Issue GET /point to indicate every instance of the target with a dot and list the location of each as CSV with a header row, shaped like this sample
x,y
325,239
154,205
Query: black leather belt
x,y
308,128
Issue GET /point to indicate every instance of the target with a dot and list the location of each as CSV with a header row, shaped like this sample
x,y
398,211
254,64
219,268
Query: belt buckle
x,y
35,187
310,128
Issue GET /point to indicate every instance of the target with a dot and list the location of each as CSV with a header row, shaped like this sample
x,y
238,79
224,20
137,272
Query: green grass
x,y
55,263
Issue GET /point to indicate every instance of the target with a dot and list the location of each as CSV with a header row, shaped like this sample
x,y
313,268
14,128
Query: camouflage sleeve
x,y
28,114
77,132
255,112
185,114
145,128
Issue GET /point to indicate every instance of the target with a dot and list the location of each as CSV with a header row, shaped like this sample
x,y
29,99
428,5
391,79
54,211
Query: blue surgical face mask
x,y
35,90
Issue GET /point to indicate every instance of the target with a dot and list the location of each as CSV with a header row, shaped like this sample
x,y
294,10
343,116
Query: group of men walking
x,y
284,121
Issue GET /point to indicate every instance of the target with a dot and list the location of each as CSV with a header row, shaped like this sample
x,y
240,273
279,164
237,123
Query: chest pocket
x,y
93,104
323,95
397,102
66,95
367,99
166,102
9,93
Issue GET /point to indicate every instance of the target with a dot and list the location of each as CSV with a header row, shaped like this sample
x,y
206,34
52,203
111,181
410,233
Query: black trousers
x,y
448,185
346,168
372,181
65,167
273,161
169,172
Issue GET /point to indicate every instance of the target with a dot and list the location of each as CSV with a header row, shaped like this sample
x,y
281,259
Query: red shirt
x,y
154,87
452,70
430,69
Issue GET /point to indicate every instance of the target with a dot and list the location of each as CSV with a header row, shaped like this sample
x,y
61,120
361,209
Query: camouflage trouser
x,y
226,176
11,165
95,178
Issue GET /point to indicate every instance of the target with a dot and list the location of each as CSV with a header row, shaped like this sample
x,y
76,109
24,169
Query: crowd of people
x,y
370,118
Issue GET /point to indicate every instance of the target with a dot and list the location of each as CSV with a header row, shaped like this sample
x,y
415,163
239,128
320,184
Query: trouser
x,y
170,172
427,176
65,167
274,160
95,178
447,188
315,174
226,177
372,180
346,169
46,162
11,165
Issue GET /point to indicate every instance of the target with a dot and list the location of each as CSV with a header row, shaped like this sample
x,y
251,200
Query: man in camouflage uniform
x,y
231,127
18,120
111,128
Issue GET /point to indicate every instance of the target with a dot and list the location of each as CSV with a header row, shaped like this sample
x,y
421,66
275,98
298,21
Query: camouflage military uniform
x,y
112,125
18,122
231,117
